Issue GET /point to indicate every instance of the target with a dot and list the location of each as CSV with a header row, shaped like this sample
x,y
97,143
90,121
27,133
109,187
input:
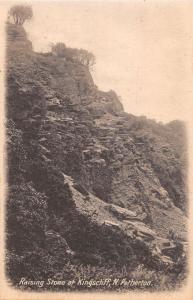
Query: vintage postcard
x,y
96,143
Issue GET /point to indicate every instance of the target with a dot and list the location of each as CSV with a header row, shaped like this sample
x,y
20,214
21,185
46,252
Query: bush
x,y
49,180
81,56
59,49
86,58
16,153
26,215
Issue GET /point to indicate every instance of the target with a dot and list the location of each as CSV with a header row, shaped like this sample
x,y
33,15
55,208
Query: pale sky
x,y
143,48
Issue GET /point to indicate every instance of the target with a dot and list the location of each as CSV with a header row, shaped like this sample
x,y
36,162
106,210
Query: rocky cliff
x,y
88,183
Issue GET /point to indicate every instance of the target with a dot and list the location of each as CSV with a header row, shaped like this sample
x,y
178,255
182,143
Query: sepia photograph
x,y
96,147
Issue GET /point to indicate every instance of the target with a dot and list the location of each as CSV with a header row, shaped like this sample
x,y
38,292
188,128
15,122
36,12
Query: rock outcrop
x,y
114,183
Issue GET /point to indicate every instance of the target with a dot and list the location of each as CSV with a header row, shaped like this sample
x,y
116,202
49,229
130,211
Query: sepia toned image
x,y
96,146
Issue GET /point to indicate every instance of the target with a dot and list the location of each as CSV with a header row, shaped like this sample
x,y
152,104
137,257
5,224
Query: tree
x,y
86,58
20,14
59,49
82,56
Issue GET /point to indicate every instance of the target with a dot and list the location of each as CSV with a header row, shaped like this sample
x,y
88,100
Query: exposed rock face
x,y
115,183
17,37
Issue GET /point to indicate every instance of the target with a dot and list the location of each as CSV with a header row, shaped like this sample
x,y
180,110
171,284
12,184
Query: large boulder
x,y
121,213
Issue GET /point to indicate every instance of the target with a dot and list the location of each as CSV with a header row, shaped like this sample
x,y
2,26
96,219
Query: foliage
x,y
16,153
165,150
86,58
81,56
26,214
20,13
49,180
59,49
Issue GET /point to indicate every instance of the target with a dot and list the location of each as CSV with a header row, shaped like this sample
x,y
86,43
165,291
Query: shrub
x,y
26,215
16,153
59,49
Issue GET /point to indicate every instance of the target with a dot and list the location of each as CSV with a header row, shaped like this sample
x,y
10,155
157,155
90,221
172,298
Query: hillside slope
x,y
88,183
